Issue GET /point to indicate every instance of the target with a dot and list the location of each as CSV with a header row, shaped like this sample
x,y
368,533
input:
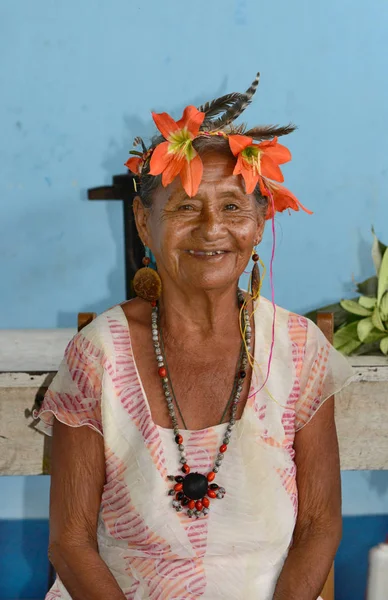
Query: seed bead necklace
x,y
193,491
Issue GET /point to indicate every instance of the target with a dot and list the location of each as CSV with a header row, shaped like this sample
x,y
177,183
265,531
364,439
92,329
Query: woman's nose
x,y
211,223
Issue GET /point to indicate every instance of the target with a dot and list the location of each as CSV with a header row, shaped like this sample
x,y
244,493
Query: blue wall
x,y
78,82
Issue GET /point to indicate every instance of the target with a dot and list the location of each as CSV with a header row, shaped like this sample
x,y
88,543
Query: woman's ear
x,y
259,231
141,219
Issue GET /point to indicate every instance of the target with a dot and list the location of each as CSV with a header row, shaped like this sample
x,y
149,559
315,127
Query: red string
x,y
272,296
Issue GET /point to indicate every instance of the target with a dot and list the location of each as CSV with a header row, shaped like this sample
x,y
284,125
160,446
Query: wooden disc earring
x,y
146,282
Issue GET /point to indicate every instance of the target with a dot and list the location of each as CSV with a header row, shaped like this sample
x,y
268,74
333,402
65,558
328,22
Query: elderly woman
x,y
200,472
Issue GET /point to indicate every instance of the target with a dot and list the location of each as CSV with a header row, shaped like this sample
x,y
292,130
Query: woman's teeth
x,y
203,253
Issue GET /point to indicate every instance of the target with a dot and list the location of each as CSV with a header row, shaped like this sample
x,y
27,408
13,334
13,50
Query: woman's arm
x,y
77,480
319,524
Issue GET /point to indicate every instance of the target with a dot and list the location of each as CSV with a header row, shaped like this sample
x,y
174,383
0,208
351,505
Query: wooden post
x,y
124,189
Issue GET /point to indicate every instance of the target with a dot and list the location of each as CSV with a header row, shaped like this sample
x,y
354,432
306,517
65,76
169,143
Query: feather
x,y
234,111
215,107
265,132
138,141
236,129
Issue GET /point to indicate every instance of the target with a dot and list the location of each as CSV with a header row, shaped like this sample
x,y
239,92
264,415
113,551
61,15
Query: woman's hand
x,y
77,481
319,523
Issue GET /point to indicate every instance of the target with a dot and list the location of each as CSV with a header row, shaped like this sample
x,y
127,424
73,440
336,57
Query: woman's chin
x,y
213,281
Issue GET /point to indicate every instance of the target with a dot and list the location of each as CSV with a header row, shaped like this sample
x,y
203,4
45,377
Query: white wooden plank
x,y
33,349
362,425
21,446
42,350
23,380
361,417
369,360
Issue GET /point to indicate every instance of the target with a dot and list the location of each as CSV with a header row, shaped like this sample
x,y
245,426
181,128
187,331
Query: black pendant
x,y
195,486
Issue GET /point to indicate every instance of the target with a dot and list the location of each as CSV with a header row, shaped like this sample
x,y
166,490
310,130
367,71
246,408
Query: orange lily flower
x,y
282,199
258,164
258,160
176,156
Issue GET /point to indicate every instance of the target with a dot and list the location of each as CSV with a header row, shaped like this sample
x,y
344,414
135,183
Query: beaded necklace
x,y
193,491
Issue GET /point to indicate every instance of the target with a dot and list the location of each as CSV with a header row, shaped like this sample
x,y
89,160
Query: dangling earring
x,y
147,283
255,277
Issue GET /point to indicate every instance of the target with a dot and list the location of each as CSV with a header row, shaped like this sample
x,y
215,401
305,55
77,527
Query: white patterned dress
x,y
238,550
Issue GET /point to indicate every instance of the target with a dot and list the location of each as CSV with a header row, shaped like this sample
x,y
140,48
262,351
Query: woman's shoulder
x,y
289,325
115,323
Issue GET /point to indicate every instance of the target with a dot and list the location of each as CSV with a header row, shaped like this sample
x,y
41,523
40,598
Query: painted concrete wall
x,y
78,82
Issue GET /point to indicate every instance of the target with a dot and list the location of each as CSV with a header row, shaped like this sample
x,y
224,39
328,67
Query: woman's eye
x,y
186,207
231,207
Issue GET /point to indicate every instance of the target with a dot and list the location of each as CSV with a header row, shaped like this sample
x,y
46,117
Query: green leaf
x,y
376,319
373,348
364,328
374,336
384,307
383,278
346,339
355,308
384,345
367,301
368,287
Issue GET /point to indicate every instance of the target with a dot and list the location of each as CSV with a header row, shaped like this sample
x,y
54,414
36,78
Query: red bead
x,y
211,476
146,261
255,257
212,494
186,469
198,505
162,372
223,448
206,502
178,487
179,439
191,504
153,303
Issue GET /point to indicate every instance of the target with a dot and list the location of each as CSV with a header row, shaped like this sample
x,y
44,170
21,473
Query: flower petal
x,y
133,164
279,153
165,124
263,189
239,165
283,199
174,167
238,143
160,158
269,168
250,176
191,175
192,119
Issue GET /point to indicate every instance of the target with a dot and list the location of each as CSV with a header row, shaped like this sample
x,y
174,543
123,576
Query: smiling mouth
x,y
206,252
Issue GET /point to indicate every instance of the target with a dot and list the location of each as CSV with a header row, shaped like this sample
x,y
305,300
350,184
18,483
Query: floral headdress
x,y
257,150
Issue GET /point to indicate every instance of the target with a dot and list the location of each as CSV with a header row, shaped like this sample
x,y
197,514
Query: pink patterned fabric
x,y
238,550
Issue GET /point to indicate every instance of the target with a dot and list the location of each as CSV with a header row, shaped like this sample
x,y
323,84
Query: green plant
x,y
361,323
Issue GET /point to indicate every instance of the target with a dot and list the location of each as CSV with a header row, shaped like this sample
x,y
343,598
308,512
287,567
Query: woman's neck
x,y
199,313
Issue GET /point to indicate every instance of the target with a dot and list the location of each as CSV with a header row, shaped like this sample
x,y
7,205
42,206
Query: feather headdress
x,y
257,151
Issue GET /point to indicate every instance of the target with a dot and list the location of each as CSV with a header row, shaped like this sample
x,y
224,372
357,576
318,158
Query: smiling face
x,y
206,241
